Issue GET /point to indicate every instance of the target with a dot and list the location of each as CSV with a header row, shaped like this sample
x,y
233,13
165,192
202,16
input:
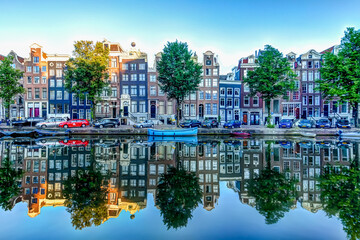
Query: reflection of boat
x,y
349,134
173,132
186,140
241,134
74,143
32,134
323,144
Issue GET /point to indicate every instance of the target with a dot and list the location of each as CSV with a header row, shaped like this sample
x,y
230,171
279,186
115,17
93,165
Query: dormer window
x,y
310,56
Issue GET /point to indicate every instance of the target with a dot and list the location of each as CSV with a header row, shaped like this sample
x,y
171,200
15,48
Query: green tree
x,y
9,83
340,196
86,73
85,195
178,194
274,194
179,73
9,187
340,74
272,78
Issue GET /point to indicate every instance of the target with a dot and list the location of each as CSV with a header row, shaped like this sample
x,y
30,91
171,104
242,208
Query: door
x,y
245,118
114,113
201,110
326,110
153,111
126,111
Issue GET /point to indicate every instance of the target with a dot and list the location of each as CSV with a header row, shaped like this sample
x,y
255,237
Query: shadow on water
x,y
98,178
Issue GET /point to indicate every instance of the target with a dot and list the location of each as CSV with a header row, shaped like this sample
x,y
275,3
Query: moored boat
x,y
173,132
241,134
349,134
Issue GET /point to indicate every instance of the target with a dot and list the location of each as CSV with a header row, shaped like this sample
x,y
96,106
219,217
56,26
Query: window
x,y
222,102
133,106
28,69
192,110
125,89
193,96
114,92
237,92
201,84
59,83
161,93
201,95
222,91
236,102
214,110
246,87
215,93
141,77
142,106
58,65
208,82
186,110
208,72
310,64
125,66
133,66
311,76
152,78
52,82
29,93
246,101
304,100
229,102
37,93
296,95
207,108
215,72
59,73
208,95
310,100
215,82
59,95
304,88
36,80
317,64
142,91
44,93
285,111
133,91
52,95
36,69
311,87
317,75
169,108
125,77
74,100
43,80
344,108
152,90
142,66
161,107
229,91
29,80
36,59
303,64
317,100
133,77
113,63
256,101
52,72
113,78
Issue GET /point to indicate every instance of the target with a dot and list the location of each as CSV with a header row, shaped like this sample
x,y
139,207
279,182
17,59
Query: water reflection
x,y
98,178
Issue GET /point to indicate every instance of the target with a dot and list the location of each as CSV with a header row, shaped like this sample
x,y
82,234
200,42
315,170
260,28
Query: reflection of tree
x,y
341,197
274,194
178,195
8,184
85,195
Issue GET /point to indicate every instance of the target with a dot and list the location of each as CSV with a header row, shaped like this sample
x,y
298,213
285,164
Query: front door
x,y
326,110
126,111
153,111
114,113
245,120
201,110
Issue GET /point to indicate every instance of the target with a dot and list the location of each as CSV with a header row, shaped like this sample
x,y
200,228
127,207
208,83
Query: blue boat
x,y
186,140
173,133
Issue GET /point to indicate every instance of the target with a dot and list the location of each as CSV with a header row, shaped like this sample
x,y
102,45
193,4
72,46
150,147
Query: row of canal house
x,y
135,94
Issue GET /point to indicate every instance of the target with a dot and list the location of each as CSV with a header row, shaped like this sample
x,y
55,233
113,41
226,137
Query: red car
x,y
75,123
74,143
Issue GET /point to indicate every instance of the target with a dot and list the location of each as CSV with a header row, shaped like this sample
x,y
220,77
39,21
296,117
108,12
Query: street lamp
x,y
54,111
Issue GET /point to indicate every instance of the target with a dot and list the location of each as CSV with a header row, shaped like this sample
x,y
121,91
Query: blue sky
x,y
230,28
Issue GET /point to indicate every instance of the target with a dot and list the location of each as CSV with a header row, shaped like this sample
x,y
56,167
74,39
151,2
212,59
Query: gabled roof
x,y
330,49
35,45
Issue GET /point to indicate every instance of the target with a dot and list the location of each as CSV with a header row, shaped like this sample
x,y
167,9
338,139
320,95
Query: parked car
x,y
232,124
323,123
304,123
107,122
190,124
74,123
144,124
210,123
52,122
32,121
343,123
286,123
74,142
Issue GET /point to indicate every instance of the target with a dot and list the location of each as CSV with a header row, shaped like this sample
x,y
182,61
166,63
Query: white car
x,y
52,122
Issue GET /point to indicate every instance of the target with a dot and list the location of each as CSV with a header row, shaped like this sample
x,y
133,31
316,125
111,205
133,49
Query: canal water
x,y
185,188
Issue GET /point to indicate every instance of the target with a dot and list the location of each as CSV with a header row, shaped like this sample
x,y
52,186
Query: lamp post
x,y
54,111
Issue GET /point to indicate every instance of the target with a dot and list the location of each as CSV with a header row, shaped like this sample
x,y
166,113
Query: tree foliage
x,y
274,194
178,195
85,195
9,187
341,197
9,82
340,73
179,74
272,78
86,73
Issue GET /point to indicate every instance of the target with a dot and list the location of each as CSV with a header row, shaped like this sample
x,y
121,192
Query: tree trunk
x,y
267,103
356,114
93,113
177,112
8,110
